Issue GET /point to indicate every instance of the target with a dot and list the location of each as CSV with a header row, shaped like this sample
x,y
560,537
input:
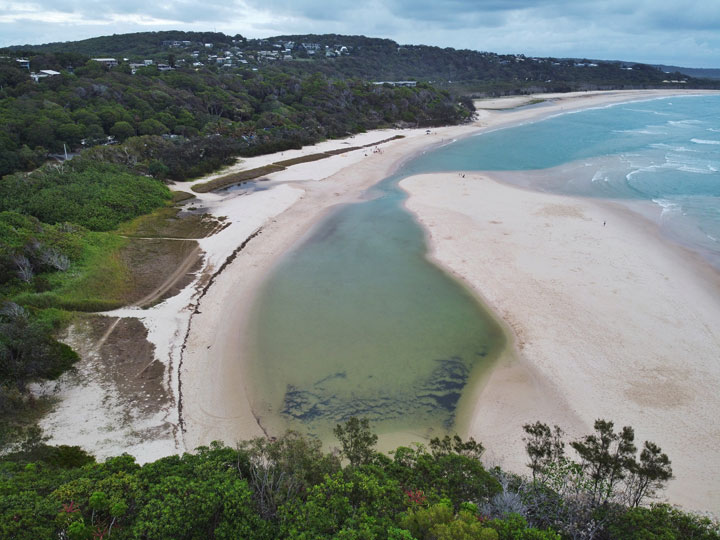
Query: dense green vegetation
x,y
95,195
193,122
138,44
384,59
289,488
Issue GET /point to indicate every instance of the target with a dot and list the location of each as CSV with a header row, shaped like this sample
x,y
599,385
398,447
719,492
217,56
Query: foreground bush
x,y
288,488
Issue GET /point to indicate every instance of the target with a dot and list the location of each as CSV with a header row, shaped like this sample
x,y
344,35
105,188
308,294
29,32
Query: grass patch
x,y
181,196
114,269
301,159
171,222
343,150
236,178
98,281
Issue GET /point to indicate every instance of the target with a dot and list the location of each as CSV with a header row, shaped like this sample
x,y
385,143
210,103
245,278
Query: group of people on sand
x,y
376,150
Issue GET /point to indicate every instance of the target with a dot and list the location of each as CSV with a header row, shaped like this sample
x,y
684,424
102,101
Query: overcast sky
x,y
677,32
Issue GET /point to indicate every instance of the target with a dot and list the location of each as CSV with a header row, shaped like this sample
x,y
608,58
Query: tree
x,y
447,471
357,440
662,521
41,133
151,127
649,475
122,130
543,445
439,522
455,445
582,498
28,352
607,456
355,503
280,469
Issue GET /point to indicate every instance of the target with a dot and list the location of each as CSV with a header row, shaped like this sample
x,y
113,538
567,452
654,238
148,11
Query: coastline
x,y
215,404
611,321
197,334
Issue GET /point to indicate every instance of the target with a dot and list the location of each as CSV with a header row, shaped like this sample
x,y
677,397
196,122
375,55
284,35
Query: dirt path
x,y
190,261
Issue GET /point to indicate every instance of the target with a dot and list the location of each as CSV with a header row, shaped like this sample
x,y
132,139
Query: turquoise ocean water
x,y
355,320
664,153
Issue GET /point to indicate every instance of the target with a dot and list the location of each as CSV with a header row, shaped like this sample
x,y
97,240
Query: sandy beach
x,y
607,321
610,321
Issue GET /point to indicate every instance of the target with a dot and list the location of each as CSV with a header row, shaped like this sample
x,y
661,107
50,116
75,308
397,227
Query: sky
x,y
674,32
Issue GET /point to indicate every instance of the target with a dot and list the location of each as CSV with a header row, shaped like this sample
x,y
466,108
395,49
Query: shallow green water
x,y
356,322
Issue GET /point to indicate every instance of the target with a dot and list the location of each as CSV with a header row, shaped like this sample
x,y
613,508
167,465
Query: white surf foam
x,y
704,141
673,148
667,206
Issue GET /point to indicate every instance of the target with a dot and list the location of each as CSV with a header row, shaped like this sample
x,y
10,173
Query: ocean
x,y
660,158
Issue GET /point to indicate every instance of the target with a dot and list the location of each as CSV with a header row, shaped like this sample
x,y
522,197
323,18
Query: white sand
x,y
610,322
197,334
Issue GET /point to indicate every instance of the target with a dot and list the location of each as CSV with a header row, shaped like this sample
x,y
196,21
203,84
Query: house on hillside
x,y
107,62
175,43
409,84
311,48
23,63
267,55
43,74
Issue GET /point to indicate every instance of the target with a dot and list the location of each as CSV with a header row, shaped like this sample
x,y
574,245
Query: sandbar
x,y
609,320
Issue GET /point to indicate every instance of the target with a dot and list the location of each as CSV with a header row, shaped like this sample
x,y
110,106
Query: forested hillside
x,y
258,95
340,56
223,114
479,72
139,44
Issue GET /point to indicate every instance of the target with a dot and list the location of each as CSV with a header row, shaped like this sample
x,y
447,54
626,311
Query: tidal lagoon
x,y
357,322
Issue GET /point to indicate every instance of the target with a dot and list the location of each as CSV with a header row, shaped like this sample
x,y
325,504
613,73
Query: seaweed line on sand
x,y
203,292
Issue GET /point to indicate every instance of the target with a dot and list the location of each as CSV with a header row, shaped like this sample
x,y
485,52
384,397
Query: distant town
x,y
256,53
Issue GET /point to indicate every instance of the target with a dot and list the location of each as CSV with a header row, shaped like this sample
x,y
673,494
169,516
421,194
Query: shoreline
x,y
611,321
197,334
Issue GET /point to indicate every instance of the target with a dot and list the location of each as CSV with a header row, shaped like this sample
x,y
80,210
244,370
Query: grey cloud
x,y
687,17
175,10
641,30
